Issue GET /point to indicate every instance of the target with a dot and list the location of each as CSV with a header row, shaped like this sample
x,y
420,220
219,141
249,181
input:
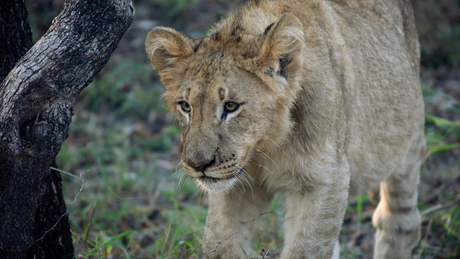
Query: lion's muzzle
x,y
201,164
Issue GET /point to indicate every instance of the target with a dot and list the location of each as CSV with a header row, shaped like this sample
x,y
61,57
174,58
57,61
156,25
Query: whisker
x,y
268,157
278,145
178,171
252,191
181,178
229,187
265,168
246,172
240,183
178,164
236,177
250,177
178,175
186,177
201,192
197,190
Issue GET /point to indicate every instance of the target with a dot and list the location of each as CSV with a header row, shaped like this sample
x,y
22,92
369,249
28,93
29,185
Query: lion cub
x,y
319,100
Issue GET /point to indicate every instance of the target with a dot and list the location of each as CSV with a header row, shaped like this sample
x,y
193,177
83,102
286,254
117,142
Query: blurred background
x,y
126,147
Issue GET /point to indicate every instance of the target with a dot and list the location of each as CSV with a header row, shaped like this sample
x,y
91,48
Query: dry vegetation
x,y
125,145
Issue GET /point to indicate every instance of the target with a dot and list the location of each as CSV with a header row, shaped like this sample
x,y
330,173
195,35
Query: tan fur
x,y
330,106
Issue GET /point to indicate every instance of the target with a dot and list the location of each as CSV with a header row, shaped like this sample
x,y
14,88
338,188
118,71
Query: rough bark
x,y
36,103
51,230
16,35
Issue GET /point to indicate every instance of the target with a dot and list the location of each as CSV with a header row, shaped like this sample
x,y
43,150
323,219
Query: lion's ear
x,y
282,43
280,49
166,48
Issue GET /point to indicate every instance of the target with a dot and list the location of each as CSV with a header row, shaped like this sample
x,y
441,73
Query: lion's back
x,y
386,117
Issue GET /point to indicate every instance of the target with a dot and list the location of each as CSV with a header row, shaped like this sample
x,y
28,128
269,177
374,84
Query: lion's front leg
x,y
313,219
226,213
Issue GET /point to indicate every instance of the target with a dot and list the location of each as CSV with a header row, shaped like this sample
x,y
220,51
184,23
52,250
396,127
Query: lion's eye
x,y
185,107
231,106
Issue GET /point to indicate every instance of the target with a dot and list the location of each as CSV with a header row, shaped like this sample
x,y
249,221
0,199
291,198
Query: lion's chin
x,y
216,185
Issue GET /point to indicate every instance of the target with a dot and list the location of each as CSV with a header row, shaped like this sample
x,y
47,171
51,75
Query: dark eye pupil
x,y
185,107
231,107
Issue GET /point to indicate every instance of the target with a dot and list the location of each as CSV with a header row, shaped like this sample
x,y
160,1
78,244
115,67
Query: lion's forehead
x,y
210,64
202,91
215,87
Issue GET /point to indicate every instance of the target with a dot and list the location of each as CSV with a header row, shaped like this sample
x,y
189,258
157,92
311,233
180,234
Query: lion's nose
x,y
201,165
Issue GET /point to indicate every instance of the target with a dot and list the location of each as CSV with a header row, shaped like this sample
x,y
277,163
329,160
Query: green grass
x,y
449,246
443,218
175,7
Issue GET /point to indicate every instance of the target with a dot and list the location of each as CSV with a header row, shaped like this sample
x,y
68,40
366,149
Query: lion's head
x,y
231,93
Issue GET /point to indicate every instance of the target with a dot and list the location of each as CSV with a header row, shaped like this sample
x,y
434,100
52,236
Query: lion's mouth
x,y
214,179
208,179
226,183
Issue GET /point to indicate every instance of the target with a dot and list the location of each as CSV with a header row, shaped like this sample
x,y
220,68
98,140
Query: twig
x,y
431,209
234,233
446,184
65,172
167,236
93,208
440,206
67,211
428,227
441,188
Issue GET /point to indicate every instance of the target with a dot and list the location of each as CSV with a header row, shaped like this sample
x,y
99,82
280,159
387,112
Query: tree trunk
x,y
17,40
51,230
36,104
15,33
